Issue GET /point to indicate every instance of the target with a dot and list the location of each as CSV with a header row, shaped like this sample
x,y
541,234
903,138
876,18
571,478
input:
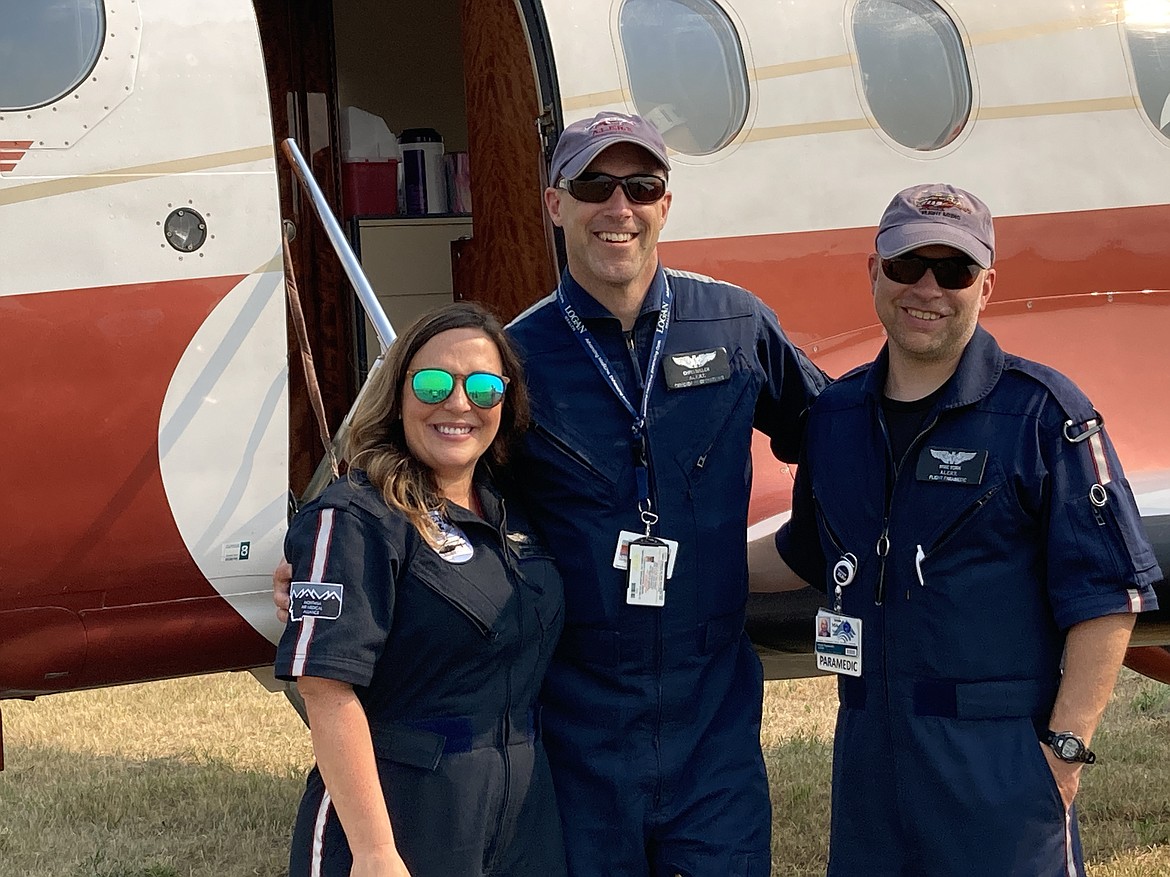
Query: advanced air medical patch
x,y
314,600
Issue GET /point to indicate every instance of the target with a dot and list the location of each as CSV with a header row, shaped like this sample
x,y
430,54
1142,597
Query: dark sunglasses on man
x,y
950,272
597,188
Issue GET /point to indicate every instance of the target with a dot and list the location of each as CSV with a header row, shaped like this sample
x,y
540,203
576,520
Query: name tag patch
x,y
314,600
951,465
696,368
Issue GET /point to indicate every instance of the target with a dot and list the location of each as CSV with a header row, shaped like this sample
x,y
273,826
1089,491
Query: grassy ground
x,y
200,778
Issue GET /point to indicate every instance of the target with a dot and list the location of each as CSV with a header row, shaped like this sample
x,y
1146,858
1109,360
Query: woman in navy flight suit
x,y
423,615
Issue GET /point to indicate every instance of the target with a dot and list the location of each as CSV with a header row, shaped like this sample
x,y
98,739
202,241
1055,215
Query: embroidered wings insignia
x,y
694,360
952,458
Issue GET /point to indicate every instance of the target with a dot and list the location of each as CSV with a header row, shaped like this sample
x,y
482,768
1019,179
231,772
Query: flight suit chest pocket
x,y
539,573
711,413
475,593
981,511
566,468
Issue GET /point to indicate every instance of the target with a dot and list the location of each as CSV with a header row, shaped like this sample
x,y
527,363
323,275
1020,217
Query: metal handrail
x,y
369,301
345,253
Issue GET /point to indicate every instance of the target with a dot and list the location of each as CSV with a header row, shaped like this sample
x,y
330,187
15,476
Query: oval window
x,y
46,49
1147,28
686,71
913,70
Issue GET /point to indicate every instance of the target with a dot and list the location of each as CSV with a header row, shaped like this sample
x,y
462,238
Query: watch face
x,y
1069,748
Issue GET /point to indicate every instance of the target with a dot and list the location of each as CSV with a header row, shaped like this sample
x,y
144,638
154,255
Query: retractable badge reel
x,y
843,572
837,644
649,561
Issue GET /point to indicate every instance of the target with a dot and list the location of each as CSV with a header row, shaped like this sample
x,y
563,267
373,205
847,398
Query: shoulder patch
x,y
315,600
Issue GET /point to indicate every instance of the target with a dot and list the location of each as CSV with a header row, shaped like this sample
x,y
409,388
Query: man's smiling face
x,y
613,244
924,322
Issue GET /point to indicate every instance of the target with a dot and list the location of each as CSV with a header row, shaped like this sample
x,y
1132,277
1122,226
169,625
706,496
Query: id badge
x,y
621,554
838,643
646,576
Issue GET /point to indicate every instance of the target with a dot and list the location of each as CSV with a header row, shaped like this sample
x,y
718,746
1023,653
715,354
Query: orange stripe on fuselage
x,y
1052,303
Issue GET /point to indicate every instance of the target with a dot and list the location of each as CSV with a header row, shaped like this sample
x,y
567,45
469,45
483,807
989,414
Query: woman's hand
x,y
380,862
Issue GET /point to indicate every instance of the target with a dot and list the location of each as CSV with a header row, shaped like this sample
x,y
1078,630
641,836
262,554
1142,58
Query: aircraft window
x,y
686,71
46,49
913,70
1147,26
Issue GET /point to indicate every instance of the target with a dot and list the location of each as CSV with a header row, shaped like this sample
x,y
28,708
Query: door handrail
x,y
345,253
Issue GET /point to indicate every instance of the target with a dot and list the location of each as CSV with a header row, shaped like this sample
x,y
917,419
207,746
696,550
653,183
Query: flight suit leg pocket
x,y
410,746
751,865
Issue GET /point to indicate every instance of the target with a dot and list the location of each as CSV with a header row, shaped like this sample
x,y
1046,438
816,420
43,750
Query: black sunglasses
x,y
597,188
434,385
951,272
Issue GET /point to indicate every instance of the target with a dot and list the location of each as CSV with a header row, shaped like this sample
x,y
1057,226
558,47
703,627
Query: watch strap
x,y
1054,739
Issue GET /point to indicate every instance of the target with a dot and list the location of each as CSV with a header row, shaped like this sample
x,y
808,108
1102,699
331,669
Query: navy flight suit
x,y
1007,521
651,715
446,651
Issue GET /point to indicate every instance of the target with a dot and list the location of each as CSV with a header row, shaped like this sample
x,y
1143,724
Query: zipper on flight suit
x,y
505,719
645,384
893,469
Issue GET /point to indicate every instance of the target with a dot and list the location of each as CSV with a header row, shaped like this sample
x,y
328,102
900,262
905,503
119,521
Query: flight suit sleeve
x,y
342,595
1100,561
791,382
798,540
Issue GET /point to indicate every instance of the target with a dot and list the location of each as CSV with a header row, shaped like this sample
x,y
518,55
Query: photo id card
x,y
621,554
646,576
838,643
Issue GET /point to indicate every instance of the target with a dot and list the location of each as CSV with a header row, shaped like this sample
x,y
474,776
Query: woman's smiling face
x,y
451,436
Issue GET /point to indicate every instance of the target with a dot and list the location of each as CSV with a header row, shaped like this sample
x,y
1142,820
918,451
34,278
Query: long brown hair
x,y
376,442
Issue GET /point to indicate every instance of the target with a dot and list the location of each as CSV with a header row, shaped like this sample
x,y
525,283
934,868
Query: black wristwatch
x,y
1069,747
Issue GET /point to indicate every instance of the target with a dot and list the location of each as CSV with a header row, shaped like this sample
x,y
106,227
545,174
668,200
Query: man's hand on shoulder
x,y
281,584
767,571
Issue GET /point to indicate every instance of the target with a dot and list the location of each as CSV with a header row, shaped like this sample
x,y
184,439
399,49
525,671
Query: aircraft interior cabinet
x,y
408,262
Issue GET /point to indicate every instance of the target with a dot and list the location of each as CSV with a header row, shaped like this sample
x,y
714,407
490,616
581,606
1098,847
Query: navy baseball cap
x,y
584,140
936,213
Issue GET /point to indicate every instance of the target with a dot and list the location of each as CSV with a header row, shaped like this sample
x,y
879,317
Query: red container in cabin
x,y
369,187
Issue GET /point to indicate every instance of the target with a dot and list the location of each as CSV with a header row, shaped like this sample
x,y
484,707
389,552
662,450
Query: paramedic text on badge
x,y
838,643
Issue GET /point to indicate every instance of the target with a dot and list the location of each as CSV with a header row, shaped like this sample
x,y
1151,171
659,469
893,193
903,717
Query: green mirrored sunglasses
x,y
434,385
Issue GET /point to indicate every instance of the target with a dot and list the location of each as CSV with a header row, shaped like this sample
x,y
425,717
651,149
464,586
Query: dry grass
x,y
200,778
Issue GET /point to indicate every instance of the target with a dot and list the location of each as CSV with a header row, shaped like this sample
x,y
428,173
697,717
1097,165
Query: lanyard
x,y
585,337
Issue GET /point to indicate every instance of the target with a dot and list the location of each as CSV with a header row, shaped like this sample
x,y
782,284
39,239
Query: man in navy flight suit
x,y
968,515
645,385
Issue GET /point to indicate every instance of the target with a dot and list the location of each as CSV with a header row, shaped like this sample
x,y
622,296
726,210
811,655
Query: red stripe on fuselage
x,y
83,509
